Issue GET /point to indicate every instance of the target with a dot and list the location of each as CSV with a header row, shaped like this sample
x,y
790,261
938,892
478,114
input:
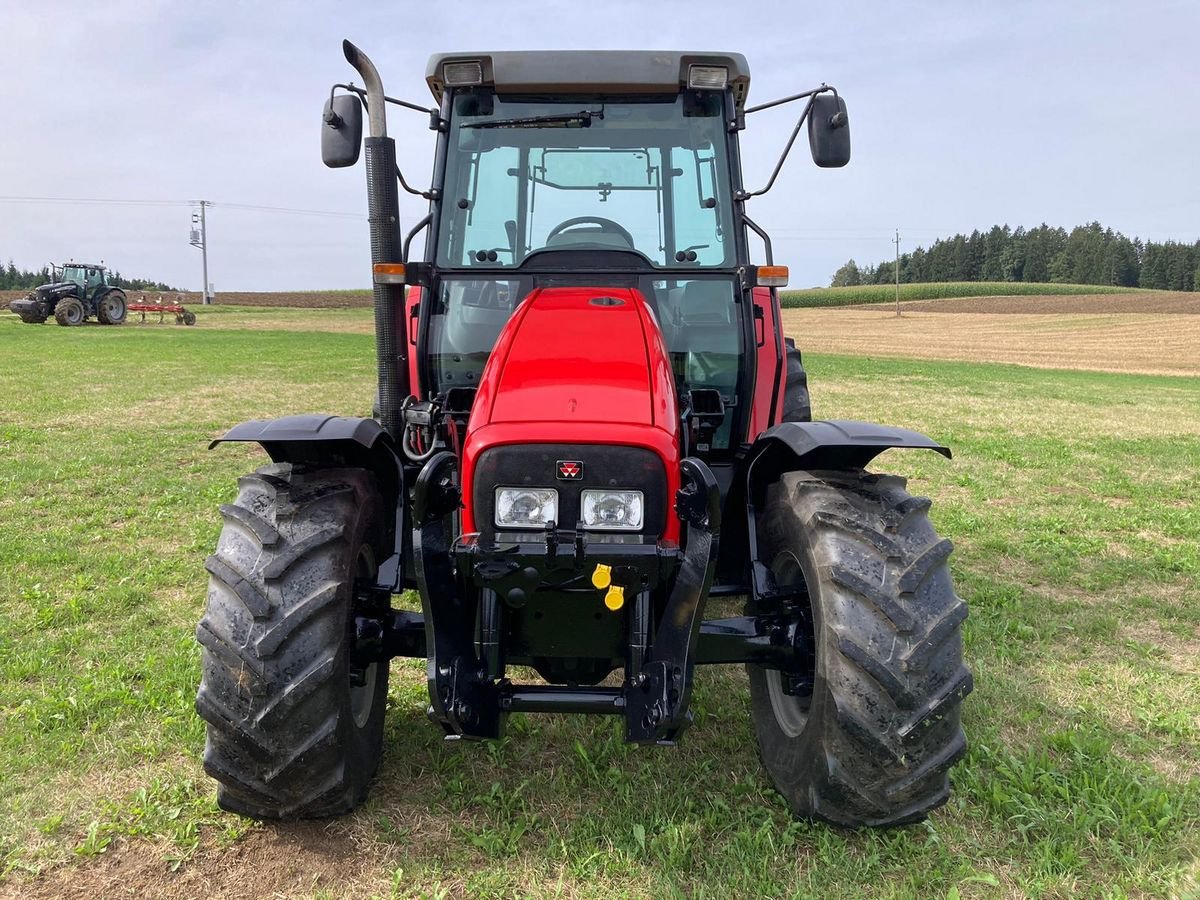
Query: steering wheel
x,y
607,226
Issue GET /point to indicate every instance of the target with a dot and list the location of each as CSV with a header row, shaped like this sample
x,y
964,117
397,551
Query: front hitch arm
x,y
657,706
462,698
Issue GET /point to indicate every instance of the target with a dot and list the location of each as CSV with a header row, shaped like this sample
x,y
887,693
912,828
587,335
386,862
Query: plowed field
x,y
302,299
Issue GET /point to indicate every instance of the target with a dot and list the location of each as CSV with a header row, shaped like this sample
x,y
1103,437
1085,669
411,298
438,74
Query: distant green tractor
x,y
79,291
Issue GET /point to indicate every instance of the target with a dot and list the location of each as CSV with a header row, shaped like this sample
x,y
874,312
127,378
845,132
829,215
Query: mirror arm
x,y
766,238
811,95
428,195
745,195
416,229
362,95
782,100
335,121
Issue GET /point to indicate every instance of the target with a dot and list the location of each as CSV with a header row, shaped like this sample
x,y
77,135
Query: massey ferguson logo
x,y
570,470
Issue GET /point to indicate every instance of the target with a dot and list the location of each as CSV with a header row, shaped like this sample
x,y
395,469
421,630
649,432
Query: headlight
x,y
526,507
621,510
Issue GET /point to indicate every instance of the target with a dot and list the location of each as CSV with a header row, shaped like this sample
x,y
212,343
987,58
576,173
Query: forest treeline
x,y
12,279
1088,254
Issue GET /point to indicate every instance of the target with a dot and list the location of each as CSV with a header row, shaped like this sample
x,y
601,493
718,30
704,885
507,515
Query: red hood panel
x,y
571,359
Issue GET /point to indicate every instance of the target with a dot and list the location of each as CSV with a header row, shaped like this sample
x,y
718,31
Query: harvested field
x,y
1166,344
1156,302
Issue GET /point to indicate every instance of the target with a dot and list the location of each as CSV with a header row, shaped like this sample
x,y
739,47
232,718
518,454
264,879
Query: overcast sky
x,y
962,115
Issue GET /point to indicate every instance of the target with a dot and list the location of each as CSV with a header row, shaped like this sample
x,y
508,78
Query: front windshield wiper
x,y
581,119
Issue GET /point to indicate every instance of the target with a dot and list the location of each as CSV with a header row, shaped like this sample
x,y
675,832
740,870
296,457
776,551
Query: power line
x,y
284,209
247,207
81,201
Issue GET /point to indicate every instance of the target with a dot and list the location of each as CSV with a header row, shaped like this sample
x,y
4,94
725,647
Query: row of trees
x,y
1088,254
12,279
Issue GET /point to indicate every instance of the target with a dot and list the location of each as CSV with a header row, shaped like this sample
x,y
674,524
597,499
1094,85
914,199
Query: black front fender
x,y
793,446
838,444
333,442
283,438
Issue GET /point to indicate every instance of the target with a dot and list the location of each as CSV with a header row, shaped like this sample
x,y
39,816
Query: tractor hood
x,y
579,377
51,290
577,355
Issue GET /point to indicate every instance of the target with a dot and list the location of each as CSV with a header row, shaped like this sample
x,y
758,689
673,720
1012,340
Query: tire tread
x,y
884,727
282,742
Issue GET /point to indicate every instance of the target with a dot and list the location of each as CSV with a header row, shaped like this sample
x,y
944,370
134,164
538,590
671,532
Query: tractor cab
x,y
88,277
604,187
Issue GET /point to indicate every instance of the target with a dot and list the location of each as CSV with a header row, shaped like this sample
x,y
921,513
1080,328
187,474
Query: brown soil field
x,y
1162,344
301,299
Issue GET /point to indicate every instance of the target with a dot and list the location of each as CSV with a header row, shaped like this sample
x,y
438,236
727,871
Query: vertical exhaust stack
x,y
383,207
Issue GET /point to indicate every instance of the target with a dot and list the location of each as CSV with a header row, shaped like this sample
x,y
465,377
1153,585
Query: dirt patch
x,y
1155,302
293,860
1182,655
1162,344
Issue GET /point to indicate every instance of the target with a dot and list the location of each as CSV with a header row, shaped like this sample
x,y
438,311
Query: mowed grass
x,y
1073,502
936,290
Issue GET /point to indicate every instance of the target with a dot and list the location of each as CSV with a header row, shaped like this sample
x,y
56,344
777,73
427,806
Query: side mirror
x,y
829,131
341,131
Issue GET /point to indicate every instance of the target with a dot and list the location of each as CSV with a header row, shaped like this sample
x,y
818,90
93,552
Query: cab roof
x,y
591,71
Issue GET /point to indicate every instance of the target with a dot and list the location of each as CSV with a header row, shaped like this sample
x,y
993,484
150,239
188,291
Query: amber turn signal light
x,y
772,276
389,273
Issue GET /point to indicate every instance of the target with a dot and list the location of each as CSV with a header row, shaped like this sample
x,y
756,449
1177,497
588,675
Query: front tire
x,y
69,311
874,741
293,730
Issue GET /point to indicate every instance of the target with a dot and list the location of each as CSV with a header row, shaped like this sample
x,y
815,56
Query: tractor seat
x,y
703,318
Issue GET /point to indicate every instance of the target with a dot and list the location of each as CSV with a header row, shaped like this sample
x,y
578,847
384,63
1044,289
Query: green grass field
x,y
1073,501
935,290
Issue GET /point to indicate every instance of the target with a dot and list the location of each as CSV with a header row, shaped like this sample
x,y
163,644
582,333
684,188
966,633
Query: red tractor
x,y
588,425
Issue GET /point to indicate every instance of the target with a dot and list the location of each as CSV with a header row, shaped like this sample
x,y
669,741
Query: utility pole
x,y
897,272
200,239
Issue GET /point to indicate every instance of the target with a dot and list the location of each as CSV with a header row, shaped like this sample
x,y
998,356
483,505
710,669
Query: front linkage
x,y
467,584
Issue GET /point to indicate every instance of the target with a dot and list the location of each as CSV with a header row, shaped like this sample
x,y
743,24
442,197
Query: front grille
x,y
604,466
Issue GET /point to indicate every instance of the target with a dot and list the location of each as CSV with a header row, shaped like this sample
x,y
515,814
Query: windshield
x,y
78,274
632,174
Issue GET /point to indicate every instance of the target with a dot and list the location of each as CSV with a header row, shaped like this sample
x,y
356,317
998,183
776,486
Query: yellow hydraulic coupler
x,y
614,599
602,577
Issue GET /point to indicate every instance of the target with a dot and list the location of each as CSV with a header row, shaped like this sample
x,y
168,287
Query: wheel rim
x,y
362,697
791,711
